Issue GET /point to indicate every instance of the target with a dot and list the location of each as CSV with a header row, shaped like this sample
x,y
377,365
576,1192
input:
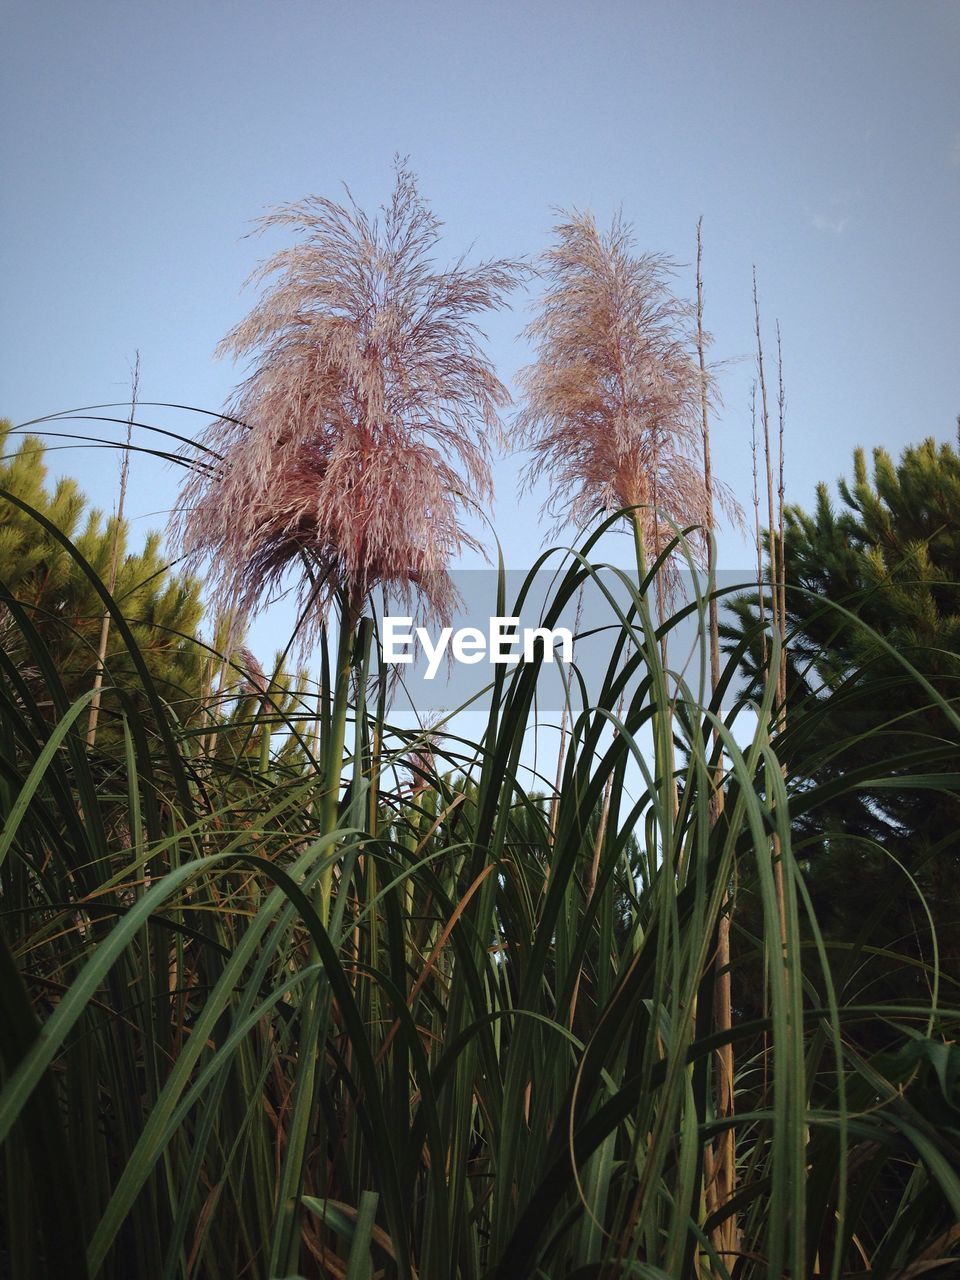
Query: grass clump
x,y
458,1062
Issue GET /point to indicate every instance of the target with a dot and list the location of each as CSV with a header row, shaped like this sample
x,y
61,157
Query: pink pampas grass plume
x,y
363,432
613,405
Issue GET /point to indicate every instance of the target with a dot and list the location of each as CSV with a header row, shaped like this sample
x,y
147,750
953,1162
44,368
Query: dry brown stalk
x,y
722,1181
707,469
94,715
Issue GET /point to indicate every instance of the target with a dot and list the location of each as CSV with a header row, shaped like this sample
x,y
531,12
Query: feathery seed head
x,y
613,407
255,680
364,430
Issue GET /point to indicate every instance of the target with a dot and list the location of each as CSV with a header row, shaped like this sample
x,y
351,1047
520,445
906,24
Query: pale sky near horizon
x,y
820,142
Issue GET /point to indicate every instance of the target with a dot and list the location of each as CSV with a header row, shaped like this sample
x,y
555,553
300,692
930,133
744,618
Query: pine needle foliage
x,y
162,608
887,550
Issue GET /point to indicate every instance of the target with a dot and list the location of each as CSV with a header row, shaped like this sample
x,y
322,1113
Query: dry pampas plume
x,y
363,433
255,682
613,408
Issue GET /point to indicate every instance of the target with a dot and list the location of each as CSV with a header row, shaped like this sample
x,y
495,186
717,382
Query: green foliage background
x,y
163,609
490,1050
874,584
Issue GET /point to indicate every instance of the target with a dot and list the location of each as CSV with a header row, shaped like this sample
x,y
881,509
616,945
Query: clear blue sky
x,y
820,141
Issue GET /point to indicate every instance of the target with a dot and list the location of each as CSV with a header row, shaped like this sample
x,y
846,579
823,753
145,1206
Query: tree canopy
x,y
162,609
873,590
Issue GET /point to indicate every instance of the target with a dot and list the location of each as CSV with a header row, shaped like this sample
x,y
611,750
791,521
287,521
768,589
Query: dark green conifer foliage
x,y
889,554
162,608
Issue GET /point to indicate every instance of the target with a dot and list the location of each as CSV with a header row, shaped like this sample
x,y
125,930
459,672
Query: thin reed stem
x,y
94,714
